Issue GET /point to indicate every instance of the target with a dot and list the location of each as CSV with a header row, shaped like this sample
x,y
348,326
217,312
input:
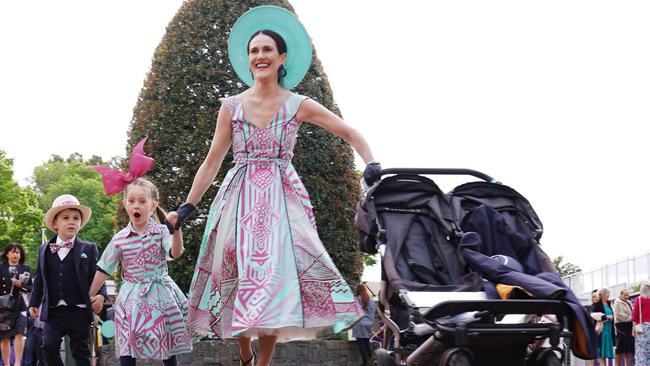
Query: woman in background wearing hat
x,y
262,271
16,280
66,268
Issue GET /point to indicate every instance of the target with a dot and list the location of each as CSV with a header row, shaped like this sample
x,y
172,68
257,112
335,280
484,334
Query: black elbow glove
x,y
372,173
183,212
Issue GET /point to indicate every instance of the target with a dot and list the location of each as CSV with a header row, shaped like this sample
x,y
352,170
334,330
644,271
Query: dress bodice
x,y
274,142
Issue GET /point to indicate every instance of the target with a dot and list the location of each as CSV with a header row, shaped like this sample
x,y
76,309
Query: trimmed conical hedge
x,y
178,108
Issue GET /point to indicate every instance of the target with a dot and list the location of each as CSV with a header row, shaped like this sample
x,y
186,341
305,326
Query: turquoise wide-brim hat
x,y
284,23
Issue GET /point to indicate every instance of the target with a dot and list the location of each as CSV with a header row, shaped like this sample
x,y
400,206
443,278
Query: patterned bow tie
x,y
54,247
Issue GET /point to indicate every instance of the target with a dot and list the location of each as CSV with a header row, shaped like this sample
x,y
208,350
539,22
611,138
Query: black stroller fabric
x,y
491,234
516,213
412,216
499,237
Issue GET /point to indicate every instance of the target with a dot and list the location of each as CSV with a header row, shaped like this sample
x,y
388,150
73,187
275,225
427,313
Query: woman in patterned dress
x,y
262,271
150,308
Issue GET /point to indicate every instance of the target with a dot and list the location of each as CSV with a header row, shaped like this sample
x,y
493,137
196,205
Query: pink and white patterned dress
x,y
150,308
262,270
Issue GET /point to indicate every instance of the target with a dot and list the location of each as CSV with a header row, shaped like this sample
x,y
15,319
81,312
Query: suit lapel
x,y
41,260
77,249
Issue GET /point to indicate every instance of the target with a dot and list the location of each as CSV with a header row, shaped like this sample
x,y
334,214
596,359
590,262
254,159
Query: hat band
x,y
68,203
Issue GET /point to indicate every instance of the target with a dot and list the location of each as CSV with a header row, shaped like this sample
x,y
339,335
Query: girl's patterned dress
x,y
150,308
262,270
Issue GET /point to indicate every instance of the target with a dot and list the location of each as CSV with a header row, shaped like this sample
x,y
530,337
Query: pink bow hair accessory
x,y
116,181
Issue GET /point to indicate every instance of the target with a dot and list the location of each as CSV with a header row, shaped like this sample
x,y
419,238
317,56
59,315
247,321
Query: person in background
x,y
606,346
33,355
14,279
590,309
623,325
362,331
641,315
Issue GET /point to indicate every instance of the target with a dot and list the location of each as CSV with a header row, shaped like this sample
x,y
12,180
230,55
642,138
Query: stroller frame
x,y
457,342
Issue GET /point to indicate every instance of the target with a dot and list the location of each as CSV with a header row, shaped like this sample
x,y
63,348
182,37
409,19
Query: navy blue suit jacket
x,y
86,256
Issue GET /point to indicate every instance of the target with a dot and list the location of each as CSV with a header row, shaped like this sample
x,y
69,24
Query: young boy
x,y
66,267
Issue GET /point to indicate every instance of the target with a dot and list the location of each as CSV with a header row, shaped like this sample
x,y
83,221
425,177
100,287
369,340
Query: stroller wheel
x,y
544,357
381,357
456,357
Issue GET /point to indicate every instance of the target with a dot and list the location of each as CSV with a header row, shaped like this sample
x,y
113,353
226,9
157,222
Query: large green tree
x,y
178,106
60,176
20,215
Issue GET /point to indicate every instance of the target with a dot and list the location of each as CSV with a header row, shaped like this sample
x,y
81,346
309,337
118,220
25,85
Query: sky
x,y
551,98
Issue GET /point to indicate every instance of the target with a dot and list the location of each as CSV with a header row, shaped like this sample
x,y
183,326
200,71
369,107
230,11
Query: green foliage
x,y
20,215
59,176
369,260
178,106
565,269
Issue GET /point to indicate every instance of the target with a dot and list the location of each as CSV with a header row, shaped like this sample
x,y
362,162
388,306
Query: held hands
x,y
17,283
34,312
170,221
97,303
176,218
372,173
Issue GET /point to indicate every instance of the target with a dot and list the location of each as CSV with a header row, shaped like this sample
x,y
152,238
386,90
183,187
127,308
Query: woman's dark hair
x,y
10,247
280,44
279,41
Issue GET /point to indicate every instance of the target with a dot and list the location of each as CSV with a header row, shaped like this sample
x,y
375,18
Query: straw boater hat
x,y
63,202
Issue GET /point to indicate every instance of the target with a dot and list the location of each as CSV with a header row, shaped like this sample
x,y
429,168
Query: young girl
x,y
149,310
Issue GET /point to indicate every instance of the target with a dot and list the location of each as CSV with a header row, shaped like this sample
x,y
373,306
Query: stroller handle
x,y
440,171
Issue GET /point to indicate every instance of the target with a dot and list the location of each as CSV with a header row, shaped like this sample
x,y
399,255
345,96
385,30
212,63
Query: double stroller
x,y
464,280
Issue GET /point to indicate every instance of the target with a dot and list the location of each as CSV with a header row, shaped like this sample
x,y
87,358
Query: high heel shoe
x,y
251,361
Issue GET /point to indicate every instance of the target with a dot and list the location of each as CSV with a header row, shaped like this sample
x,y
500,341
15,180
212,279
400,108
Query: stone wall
x,y
226,353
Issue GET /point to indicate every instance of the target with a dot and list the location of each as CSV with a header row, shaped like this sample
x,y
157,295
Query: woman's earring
x,y
282,72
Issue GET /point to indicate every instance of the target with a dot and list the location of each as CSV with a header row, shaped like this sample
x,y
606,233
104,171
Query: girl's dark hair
x,y
280,44
10,247
148,186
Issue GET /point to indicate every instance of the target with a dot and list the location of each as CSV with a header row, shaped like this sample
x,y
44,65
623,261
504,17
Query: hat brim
x,y
86,212
281,21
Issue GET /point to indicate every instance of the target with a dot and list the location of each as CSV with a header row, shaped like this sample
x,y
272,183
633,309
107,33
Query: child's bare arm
x,y
177,244
98,281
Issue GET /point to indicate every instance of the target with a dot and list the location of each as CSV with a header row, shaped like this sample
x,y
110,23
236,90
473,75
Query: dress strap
x,y
231,104
293,104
